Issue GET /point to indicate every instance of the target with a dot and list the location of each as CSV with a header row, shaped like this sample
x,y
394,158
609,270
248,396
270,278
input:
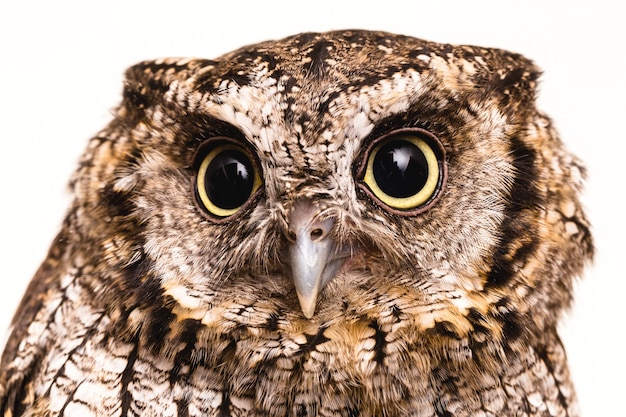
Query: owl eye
x,y
228,177
405,170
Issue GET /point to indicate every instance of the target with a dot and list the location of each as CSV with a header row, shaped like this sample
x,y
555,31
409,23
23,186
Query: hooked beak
x,y
312,254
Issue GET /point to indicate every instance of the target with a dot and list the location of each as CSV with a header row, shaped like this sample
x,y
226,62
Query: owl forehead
x,y
319,115
307,102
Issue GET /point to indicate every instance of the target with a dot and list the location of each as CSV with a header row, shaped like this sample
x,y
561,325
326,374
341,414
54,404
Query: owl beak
x,y
311,254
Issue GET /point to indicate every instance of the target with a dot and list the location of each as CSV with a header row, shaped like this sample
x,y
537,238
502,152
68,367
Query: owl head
x,y
343,180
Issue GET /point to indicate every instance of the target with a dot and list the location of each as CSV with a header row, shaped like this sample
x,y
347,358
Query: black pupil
x,y
400,169
229,179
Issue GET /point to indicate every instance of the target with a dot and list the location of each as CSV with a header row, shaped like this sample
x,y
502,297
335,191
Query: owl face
x,y
343,177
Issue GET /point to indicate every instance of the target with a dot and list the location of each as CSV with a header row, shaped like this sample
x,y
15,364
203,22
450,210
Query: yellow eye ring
x,y
404,170
227,178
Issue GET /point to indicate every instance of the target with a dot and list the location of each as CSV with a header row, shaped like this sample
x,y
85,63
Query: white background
x,y
61,66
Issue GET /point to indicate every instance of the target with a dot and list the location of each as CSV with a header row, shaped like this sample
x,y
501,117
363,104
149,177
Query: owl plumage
x,y
348,223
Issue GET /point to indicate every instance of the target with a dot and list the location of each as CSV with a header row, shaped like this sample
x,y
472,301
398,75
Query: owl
x,y
349,223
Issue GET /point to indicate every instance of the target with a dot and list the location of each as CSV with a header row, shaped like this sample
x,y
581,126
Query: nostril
x,y
316,234
308,222
291,235
319,230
